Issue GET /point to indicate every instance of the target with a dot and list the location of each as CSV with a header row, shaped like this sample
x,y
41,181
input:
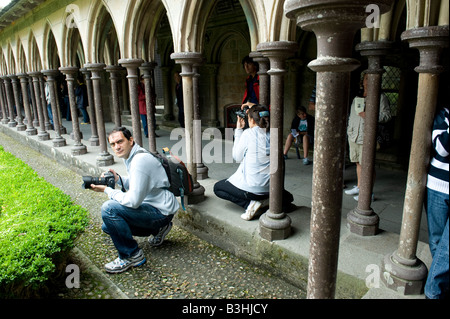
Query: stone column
x,y
212,75
3,103
104,158
58,141
33,102
202,170
48,125
71,73
168,100
363,220
9,99
114,72
133,80
264,79
16,93
275,224
124,86
58,108
187,60
403,271
43,135
334,24
31,130
94,139
150,102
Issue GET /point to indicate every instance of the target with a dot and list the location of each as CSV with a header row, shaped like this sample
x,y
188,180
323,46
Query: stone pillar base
x,y
202,172
31,131
94,141
43,136
363,222
404,276
197,196
72,136
105,160
21,127
12,124
274,226
5,121
59,142
78,150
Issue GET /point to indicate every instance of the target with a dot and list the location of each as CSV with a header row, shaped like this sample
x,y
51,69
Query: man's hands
x,y
101,188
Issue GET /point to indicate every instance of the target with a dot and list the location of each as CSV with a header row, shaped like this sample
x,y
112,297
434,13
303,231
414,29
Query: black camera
x,y
107,179
242,113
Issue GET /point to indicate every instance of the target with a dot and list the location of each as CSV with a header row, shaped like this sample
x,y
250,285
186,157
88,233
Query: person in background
x,y
302,128
436,206
251,95
142,104
82,99
355,130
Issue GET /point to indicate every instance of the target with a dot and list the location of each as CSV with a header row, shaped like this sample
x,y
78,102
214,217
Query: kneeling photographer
x,y
143,207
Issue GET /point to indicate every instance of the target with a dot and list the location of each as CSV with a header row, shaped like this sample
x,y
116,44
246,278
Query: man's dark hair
x,y
300,108
126,132
249,60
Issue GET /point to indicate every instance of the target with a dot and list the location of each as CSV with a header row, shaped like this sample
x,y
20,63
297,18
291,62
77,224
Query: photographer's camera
x,y
107,179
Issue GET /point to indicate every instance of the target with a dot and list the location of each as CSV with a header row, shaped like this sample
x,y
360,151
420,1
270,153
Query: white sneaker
x,y
353,191
251,210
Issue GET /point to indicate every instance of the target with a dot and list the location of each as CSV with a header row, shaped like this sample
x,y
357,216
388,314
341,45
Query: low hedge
x,y
38,225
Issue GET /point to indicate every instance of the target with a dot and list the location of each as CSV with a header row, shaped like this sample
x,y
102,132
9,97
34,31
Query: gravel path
x,y
183,267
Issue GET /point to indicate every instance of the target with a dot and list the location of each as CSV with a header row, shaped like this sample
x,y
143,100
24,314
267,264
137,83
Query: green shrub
x,y
38,224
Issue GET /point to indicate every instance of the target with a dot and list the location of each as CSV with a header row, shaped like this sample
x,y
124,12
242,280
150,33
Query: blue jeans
x,y
49,112
437,284
144,124
122,223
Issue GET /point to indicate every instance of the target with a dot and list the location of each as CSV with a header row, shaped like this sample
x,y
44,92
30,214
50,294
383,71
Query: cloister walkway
x,y
219,222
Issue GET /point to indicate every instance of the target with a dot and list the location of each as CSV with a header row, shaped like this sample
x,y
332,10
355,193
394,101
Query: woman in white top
x,y
248,187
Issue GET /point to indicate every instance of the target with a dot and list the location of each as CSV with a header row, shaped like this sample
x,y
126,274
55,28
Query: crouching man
x,y
144,206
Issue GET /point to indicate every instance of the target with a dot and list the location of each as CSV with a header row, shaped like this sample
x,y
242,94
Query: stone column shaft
x,y
10,101
403,271
31,130
363,220
94,140
58,141
334,26
71,72
104,159
33,102
43,135
187,60
3,103
48,126
114,72
264,78
202,170
150,101
275,224
132,67
16,93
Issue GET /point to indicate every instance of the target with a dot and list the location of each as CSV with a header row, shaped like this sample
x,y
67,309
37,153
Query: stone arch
x,y
22,59
142,27
11,62
73,47
35,57
103,45
3,65
51,55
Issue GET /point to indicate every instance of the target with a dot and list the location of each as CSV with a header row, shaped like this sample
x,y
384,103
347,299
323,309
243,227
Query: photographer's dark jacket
x,y
146,183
